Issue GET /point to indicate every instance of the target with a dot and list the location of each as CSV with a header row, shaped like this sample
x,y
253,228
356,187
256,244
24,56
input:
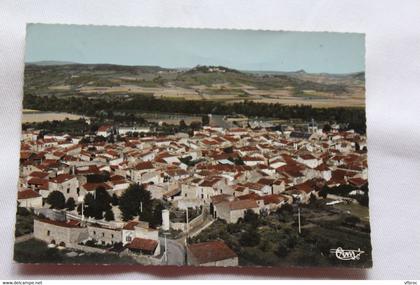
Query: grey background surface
x,y
393,107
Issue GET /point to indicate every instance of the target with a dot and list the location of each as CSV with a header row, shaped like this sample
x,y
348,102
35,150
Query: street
x,y
176,252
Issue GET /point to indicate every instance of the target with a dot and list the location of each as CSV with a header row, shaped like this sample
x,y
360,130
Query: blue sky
x,y
176,47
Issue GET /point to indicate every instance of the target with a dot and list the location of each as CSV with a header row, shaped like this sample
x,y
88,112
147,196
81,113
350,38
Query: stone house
x,y
66,184
67,234
232,211
29,199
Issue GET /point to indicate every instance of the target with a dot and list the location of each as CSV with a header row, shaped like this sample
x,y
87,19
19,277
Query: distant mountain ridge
x,y
203,68
51,62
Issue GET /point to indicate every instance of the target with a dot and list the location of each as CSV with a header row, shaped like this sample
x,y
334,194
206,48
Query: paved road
x,y
176,252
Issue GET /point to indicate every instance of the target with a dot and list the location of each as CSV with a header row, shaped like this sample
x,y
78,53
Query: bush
x,y
251,218
233,228
352,220
250,238
281,251
21,211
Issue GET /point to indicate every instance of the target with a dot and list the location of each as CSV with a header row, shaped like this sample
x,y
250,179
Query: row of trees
x,y
135,201
82,105
57,201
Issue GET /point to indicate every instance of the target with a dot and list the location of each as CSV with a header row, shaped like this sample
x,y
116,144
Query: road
x,y
176,252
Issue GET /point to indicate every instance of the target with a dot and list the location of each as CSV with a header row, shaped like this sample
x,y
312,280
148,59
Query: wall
x,y
105,236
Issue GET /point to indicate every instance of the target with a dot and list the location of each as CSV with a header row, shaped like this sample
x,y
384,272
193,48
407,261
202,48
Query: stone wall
x,y
183,226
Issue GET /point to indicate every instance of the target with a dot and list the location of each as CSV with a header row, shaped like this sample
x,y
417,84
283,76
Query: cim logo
x,y
347,254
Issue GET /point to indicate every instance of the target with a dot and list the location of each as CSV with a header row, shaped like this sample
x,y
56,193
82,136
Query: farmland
x,y
201,83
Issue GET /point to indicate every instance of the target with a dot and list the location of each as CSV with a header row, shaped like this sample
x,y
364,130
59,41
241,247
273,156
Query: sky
x,y
313,52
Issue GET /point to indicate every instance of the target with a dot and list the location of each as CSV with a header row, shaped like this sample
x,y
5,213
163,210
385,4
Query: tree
x,y
95,206
70,204
109,215
156,218
56,200
102,198
114,200
131,199
89,199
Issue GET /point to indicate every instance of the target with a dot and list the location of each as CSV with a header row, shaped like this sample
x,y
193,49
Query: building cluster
x,y
228,171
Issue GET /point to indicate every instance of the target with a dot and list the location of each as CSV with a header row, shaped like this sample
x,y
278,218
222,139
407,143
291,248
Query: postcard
x,y
193,147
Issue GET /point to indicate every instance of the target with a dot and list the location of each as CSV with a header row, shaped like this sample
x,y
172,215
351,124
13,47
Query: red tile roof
x,y
38,174
130,225
243,204
209,182
250,196
211,251
37,181
27,194
67,224
273,199
94,186
25,154
220,198
358,182
143,244
104,128
62,178
144,165
91,169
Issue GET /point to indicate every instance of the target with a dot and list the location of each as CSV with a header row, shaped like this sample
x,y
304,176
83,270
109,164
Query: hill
x,y
212,83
